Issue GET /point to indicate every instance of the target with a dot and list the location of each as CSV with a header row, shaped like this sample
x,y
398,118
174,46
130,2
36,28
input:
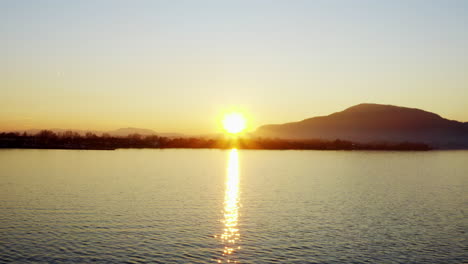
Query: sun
x,y
234,122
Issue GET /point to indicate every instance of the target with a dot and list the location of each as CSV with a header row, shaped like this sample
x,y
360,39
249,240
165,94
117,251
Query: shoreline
x,y
214,148
50,140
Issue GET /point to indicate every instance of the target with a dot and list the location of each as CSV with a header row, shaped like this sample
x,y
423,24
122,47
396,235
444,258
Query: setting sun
x,y
234,123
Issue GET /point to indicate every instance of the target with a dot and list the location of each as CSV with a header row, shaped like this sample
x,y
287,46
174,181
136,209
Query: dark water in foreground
x,y
201,206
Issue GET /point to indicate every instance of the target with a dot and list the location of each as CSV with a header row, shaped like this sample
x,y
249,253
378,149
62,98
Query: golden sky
x,y
177,66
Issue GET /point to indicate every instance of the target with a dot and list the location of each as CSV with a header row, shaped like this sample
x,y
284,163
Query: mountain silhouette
x,y
375,123
141,131
131,130
121,132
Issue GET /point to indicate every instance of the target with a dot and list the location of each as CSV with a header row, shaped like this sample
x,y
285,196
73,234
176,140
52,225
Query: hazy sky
x,y
175,66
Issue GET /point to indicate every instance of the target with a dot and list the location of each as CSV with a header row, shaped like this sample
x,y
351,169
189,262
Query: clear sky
x,y
175,66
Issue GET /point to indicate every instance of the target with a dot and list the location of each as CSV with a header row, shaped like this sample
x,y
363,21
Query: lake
x,y
237,206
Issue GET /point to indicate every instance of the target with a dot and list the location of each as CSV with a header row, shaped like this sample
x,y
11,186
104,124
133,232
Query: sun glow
x,y
234,122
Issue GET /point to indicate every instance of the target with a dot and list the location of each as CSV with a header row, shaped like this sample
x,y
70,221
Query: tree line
x,y
47,139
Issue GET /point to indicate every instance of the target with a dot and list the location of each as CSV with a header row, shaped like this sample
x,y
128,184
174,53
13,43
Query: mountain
x,y
375,123
121,132
60,130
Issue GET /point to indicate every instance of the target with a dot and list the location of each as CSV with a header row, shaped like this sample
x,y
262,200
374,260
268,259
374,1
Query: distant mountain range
x,y
375,123
121,132
144,132
363,123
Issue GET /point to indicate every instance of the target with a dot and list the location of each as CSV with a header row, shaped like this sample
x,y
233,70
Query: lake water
x,y
202,206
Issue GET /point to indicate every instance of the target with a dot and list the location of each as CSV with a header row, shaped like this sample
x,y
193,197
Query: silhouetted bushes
x,y
71,140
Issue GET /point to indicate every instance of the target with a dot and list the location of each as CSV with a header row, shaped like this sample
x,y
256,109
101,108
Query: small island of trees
x,y
47,139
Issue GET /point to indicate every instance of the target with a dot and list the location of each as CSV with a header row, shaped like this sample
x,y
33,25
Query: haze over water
x,y
199,206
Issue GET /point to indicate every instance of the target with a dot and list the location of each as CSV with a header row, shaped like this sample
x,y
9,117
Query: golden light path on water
x,y
230,236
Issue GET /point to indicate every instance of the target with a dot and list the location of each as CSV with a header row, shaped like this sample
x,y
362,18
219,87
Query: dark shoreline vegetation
x,y
47,139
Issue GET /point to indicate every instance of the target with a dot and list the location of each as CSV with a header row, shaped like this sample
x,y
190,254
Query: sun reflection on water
x,y
230,236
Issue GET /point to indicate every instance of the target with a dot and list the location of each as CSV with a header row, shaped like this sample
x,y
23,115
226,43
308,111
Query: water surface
x,y
199,206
